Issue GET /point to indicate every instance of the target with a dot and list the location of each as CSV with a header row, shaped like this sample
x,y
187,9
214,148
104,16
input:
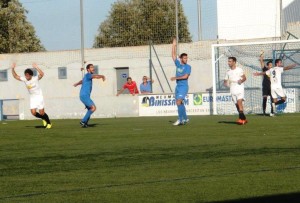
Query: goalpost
x,y
247,55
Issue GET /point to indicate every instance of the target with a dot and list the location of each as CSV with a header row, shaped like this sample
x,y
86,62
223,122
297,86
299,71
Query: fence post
x,y
1,110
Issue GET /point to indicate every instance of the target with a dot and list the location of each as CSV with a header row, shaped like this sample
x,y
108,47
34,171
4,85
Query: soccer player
x,y
35,92
131,86
275,77
85,93
235,79
183,71
266,84
145,86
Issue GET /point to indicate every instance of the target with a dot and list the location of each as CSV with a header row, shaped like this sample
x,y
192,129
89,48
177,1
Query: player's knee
x,y
93,108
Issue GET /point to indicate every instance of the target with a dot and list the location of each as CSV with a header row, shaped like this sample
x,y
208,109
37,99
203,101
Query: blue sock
x,y
180,112
184,116
87,116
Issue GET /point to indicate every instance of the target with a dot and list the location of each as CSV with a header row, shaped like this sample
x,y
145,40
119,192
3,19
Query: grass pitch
x,y
148,160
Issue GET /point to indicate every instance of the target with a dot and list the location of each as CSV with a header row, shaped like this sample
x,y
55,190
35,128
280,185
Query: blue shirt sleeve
x,y
89,76
188,69
177,63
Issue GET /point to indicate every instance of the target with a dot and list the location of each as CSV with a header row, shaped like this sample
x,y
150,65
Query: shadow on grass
x,y
35,126
228,122
279,198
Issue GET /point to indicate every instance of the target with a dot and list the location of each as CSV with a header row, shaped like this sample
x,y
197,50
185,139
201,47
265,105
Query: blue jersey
x,y
87,83
181,70
145,88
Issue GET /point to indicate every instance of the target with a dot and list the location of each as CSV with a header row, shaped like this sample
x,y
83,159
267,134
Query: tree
x,y
16,33
135,22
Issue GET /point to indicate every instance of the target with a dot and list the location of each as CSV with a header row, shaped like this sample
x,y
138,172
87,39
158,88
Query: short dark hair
x,y
129,78
28,71
182,55
269,62
88,66
233,58
277,60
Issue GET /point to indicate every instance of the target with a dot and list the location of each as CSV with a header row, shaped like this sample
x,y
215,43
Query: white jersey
x,y
233,76
275,76
33,86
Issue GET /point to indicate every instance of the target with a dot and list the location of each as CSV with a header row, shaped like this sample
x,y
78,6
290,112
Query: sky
x,y
57,22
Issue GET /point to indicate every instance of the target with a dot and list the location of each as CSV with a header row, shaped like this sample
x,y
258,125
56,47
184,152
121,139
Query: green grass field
x,y
149,160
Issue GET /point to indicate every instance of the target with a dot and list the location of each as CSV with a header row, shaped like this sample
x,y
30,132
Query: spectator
x,y
131,86
145,86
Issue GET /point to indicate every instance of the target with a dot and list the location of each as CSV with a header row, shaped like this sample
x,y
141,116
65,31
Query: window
x,y
96,70
62,73
34,72
3,75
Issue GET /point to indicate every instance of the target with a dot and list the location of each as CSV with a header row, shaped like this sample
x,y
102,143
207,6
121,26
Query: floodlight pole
x,y
199,21
82,37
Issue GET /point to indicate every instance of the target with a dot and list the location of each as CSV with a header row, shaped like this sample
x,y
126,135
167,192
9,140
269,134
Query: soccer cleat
x,y
184,122
48,126
239,121
44,123
81,123
243,122
85,126
178,122
272,114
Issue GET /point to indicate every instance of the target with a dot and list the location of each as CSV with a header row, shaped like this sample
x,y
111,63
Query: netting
x,y
248,59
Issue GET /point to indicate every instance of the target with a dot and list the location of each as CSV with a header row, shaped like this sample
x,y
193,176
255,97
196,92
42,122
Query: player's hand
x,y
103,78
34,65
13,66
256,74
174,41
261,53
239,82
173,78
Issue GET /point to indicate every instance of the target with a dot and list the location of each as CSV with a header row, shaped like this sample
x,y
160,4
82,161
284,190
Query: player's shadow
x,y
277,198
36,126
228,122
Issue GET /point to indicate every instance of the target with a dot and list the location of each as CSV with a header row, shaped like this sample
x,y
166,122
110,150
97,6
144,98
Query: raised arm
x,y
15,75
41,73
261,59
174,45
289,67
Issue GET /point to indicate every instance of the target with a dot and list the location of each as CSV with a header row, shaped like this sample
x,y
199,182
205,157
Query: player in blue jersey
x,y
183,71
85,93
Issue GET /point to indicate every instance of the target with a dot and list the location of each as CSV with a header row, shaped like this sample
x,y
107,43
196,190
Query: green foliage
x,y
16,33
135,22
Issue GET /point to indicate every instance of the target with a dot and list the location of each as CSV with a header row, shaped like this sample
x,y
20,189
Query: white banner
x,y
201,104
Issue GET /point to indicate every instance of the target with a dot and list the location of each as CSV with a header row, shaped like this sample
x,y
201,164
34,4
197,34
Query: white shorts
x,y
237,96
275,92
37,102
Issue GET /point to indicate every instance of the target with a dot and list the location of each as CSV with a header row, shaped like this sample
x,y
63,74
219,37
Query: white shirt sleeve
x,y
226,76
22,78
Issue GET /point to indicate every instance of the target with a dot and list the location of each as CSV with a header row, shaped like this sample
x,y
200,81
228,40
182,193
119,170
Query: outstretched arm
x,y
261,60
174,45
15,75
259,73
77,83
186,76
99,77
289,67
120,92
41,73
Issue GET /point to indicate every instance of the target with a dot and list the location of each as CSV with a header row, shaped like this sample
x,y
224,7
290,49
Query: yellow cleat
x,y
44,123
49,126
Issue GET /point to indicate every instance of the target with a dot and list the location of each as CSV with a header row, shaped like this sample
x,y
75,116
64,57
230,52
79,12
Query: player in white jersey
x,y
35,92
275,78
235,79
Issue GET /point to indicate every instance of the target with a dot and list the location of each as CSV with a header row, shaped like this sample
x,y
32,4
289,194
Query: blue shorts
x,y
181,92
86,100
